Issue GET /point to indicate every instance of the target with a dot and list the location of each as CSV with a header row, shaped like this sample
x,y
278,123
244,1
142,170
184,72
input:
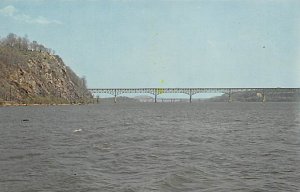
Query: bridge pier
x,y
191,96
264,97
115,98
229,97
155,98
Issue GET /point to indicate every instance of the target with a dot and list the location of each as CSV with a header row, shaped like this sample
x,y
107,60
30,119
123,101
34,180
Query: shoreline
x,y
12,104
8,104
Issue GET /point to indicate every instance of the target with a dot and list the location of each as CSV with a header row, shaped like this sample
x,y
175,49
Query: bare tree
x,y
83,79
11,39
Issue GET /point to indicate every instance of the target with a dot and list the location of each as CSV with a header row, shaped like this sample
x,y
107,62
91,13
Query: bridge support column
x,y
155,98
229,97
264,97
115,98
190,95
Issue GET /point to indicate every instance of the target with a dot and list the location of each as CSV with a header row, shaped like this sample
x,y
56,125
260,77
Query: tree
x,y
83,79
34,46
11,39
25,43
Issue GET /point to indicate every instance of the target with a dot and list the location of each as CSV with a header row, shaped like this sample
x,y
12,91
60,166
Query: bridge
x,y
191,91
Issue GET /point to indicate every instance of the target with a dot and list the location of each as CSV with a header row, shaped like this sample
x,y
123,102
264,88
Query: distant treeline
x,y
253,96
11,48
23,43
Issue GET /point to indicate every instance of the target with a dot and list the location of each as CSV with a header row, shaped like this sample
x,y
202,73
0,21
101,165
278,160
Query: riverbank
x,y
12,104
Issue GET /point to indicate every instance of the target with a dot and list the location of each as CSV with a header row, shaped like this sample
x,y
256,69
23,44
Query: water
x,y
147,147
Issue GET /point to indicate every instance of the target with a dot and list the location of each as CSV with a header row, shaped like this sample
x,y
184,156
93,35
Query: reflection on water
x,y
151,147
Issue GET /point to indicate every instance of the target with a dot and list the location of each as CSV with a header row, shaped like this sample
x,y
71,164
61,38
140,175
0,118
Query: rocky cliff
x,y
37,76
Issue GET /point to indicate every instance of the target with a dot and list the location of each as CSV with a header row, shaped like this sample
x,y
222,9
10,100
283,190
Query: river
x,y
145,147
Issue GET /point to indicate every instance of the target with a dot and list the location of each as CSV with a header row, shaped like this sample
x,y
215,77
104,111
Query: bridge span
x,y
191,91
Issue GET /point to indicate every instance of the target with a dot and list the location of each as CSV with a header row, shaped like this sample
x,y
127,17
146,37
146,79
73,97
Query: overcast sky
x,y
142,43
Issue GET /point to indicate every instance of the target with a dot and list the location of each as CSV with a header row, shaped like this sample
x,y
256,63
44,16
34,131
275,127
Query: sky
x,y
166,43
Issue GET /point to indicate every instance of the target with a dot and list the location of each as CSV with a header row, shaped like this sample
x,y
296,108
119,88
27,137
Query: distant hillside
x,y
31,73
252,96
144,98
120,99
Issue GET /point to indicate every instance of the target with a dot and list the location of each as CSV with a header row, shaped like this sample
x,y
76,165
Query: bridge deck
x,y
189,91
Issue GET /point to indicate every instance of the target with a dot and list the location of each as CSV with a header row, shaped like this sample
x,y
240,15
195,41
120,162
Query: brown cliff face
x,y
34,75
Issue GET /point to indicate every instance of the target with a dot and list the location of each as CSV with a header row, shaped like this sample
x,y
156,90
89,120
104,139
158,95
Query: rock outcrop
x,y
38,76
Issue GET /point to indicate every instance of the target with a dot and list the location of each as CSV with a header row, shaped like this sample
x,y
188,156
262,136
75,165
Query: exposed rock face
x,y
29,74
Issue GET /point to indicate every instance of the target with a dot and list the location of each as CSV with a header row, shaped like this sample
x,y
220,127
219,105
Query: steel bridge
x,y
191,91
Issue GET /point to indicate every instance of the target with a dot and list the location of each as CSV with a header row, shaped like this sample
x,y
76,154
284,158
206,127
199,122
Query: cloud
x,y
8,11
11,11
